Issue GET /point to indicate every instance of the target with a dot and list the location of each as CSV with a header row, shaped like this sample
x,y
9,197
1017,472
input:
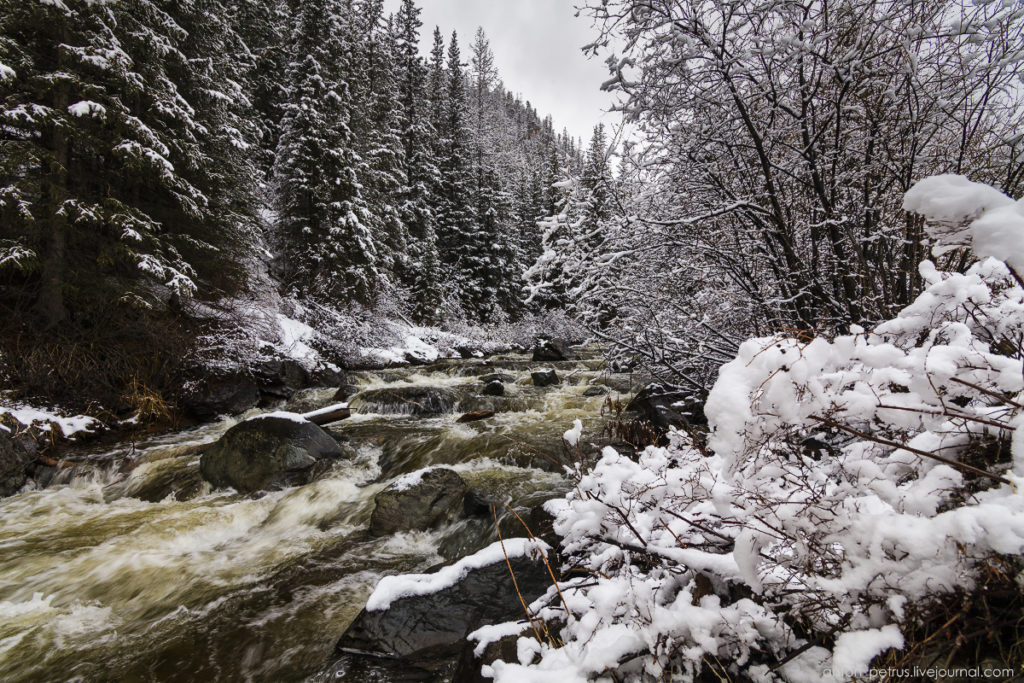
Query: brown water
x,y
151,575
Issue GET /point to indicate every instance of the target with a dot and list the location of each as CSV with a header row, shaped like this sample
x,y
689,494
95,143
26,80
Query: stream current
x,y
131,568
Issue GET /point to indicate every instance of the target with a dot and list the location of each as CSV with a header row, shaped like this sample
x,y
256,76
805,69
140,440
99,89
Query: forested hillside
x,y
168,166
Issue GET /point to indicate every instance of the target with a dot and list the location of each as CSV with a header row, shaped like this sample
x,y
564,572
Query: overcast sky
x,y
536,46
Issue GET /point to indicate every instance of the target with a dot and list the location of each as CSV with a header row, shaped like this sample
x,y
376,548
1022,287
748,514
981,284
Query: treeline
x,y
152,150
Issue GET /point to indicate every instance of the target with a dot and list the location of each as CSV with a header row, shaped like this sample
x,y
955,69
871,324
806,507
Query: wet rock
x,y
466,351
497,377
411,400
225,394
429,631
494,388
664,406
17,456
267,452
544,378
478,504
327,376
345,392
552,350
595,390
280,377
475,415
419,500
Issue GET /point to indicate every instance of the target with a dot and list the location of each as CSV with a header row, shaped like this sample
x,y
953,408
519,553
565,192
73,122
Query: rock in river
x,y
544,378
419,500
268,451
408,400
552,350
420,621
494,388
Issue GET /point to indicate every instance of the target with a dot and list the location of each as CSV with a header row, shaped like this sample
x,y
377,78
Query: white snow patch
x,y
69,425
392,588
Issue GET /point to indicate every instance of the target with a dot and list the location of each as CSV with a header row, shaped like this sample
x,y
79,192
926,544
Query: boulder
x,y
268,452
497,377
665,406
225,394
552,350
424,622
494,388
544,378
280,377
595,390
17,456
420,500
410,400
476,415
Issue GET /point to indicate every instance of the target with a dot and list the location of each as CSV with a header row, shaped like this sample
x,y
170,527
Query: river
x,y
133,569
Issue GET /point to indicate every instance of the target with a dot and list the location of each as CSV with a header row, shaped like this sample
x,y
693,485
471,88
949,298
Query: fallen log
x,y
333,413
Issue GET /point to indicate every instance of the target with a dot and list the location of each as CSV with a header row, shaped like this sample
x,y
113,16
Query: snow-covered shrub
x,y
848,487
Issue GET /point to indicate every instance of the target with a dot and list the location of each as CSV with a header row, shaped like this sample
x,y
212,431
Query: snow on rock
x,y
392,588
6,73
69,426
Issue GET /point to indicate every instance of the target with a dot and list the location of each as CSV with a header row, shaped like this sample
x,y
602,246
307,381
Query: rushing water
x,y
133,569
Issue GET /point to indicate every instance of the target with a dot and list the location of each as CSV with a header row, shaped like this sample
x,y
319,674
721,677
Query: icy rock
x,y
419,500
268,452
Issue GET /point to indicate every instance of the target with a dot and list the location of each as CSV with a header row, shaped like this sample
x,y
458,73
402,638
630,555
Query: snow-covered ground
x,y
46,418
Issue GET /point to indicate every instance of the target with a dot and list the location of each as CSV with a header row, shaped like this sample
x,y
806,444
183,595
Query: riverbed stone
x,y
494,388
410,400
544,378
552,350
267,452
419,501
280,377
224,394
665,406
429,631
595,390
502,377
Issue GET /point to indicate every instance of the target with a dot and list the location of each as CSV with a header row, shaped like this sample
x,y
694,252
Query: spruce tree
x,y
329,251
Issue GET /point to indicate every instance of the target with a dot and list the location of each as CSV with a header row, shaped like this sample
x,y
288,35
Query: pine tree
x,y
423,272
329,251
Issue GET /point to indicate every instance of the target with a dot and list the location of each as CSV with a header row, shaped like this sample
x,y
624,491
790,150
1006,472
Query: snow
x,y
281,415
572,436
407,481
294,340
87,108
392,588
69,426
855,650
960,212
6,73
